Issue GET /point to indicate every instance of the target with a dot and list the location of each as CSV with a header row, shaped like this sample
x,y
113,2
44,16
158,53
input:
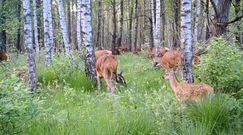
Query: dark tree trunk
x,y
220,21
40,23
98,41
130,25
3,40
69,16
238,11
136,27
121,24
207,18
176,36
114,51
18,45
162,6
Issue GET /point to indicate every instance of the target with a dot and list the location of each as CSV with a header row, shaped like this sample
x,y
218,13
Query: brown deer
x,y
185,91
152,52
106,67
171,59
4,56
99,53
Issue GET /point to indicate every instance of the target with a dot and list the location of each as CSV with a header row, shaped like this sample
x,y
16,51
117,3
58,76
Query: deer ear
x,y
121,73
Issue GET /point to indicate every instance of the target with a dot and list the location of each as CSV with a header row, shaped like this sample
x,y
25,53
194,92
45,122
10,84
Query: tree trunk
x,y
35,28
238,11
79,40
114,51
65,34
186,39
220,22
176,33
48,30
121,23
3,36
18,45
157,28
69,22
29,45
87,38
130,25
136,27
207,20
152,21
162,3
196,27
98,41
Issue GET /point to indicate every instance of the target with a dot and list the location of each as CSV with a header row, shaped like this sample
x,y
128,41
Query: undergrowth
x,y
67,103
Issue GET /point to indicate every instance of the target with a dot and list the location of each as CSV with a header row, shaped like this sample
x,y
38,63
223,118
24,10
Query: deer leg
x,y
110,85
98,83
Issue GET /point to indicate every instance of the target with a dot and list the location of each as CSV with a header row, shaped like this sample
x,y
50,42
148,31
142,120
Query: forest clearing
x,y
121,67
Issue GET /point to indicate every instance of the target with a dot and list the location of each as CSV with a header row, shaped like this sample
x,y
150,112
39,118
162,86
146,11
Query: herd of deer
x,y
169,59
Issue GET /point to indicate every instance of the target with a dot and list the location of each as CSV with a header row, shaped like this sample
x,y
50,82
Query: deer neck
x,y
174,83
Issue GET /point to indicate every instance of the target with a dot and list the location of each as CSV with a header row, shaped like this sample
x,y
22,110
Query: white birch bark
x,y
157,28
65,34
196,27
87,39
37,49
186,39
29,44
51,30
79,40
48,31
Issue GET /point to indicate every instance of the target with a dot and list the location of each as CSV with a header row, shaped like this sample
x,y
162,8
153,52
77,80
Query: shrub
x,y
16,106
214,115
222,67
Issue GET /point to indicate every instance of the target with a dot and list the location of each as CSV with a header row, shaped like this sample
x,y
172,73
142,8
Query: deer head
x,y
120,79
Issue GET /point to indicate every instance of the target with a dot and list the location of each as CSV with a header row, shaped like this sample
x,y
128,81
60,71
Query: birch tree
x,y
87,38
35,28
157,28
79,40
65,34
186,39
48,31
29,44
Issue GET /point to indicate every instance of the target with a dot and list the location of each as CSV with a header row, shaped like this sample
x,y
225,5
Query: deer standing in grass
x,y
185,91
106,67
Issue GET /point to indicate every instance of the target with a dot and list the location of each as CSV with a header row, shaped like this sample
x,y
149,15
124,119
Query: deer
x,y
106,67
99,53
4,56
152,52
185,92
172,59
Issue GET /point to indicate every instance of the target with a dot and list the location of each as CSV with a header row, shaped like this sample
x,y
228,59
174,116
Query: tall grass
x,y
68,104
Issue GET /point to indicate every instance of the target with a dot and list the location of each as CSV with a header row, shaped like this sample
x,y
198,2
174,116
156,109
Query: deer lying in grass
x,y
4,56
171,59
185,91
106,67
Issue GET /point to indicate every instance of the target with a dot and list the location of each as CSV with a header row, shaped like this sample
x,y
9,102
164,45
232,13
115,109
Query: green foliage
x,y
215,115
147,106
16,106
223,67
65,73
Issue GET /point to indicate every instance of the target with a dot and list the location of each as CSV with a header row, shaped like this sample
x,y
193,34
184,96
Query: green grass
x,y
67,103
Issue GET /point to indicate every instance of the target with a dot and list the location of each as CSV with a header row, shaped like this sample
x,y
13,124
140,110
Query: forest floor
x,y
67,103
